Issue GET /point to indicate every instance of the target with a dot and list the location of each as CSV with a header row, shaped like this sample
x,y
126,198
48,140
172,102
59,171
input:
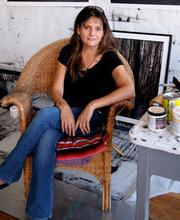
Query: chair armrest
x,y
157,99
24,104
114,110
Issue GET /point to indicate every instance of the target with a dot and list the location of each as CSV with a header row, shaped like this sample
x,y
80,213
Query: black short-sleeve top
x,y
96,82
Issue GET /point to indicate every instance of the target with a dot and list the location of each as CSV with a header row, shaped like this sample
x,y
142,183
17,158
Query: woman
x,y
89,78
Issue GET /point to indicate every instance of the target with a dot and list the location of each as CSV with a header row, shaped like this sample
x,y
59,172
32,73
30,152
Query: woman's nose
x,y
92,32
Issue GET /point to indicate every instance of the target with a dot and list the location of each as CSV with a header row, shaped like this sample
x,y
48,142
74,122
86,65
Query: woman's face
x,y
91,32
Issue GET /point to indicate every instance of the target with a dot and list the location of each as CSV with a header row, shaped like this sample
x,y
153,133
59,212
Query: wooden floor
x,y
165,207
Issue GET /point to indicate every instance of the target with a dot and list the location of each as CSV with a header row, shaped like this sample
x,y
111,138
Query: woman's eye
x,y
90,28
86,27
99,29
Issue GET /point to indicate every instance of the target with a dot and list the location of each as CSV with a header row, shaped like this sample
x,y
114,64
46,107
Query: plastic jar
x,y
14,112
156,118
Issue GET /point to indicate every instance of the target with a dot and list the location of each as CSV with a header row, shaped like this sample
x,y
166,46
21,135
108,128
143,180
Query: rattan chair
x,y
37,77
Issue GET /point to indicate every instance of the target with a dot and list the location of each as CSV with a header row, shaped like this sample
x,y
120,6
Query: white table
x,y
158,154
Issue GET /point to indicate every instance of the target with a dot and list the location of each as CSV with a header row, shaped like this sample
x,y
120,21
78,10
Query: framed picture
x,y
153,2
148,56
48,2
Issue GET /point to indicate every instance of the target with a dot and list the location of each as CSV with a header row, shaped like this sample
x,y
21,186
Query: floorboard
x,y
5,216
165,207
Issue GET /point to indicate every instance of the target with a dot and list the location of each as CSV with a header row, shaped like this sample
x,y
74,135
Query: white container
x,y
156,118
176,121
14,111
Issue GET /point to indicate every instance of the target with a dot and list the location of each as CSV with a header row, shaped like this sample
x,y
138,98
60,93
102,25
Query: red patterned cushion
x,y
79,142
90,146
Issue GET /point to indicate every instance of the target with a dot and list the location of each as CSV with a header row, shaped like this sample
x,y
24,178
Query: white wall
x,y
25,29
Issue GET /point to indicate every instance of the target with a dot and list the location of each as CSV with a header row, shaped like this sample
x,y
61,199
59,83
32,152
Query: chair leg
x,y
106,197
103,198
27,175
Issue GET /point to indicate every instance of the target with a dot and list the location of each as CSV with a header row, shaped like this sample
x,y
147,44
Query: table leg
x,y
143,184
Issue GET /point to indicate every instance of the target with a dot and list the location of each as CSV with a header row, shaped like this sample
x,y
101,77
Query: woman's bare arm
x,y
58,83
124,90
67,117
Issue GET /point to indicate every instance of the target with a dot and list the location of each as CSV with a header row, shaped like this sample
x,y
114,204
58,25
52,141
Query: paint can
x,y
176,121
156,118
170,101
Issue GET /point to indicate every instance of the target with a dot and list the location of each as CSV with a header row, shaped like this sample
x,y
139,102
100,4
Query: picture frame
x,y
148,55
147,2
65,3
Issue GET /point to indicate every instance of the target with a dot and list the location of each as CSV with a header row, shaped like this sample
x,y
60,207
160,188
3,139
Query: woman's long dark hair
x,y
107,41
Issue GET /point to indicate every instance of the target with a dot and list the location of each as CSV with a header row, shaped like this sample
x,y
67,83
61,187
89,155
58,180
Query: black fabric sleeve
x,y
65,54
113,60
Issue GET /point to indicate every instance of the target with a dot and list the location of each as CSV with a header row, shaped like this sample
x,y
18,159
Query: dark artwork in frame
x,y
148,56
153,2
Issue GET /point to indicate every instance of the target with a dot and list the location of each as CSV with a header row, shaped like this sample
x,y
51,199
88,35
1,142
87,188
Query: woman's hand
x,y
84,118
67,119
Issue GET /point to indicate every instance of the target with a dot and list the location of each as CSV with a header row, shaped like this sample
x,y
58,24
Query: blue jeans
x,y
40,140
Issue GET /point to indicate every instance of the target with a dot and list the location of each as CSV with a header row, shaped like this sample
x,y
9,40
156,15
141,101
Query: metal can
x,y
176,121
156,118
170,100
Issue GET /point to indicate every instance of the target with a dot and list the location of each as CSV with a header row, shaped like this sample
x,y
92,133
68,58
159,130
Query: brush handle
x,y
176,83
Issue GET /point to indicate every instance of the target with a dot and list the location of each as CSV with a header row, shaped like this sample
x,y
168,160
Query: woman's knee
x,y
47,145
46,113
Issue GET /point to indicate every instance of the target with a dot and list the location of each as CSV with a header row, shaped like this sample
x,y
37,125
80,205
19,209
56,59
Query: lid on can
x,y
171,95
156,110
156,104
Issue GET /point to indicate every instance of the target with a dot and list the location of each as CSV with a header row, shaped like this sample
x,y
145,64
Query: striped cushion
x,y
75,143
90,146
